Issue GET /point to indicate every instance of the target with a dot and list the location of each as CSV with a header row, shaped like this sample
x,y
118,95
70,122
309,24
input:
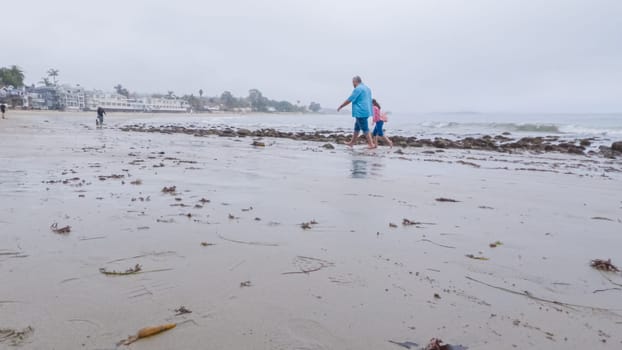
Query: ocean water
x,y
604,128
608,126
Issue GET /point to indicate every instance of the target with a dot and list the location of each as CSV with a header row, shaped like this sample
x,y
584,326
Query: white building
x,y
120,103
111,102
165,105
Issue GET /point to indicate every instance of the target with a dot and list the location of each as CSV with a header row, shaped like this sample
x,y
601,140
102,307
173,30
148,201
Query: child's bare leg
x,y
386,138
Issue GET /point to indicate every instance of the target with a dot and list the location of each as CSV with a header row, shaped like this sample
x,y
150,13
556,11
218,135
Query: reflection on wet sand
x,y
362,168
359,168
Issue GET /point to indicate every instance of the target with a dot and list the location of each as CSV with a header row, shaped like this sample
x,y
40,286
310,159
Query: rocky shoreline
x,y
500,143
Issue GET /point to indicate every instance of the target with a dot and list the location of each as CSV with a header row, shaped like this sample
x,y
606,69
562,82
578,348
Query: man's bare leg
x,y
355,137
370,142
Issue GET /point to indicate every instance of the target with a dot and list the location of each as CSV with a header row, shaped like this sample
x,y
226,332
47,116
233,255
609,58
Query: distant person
x,y
379,119
3,110
361,111
100,116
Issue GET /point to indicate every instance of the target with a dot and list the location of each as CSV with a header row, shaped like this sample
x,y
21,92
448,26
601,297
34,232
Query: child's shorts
x,y
378,129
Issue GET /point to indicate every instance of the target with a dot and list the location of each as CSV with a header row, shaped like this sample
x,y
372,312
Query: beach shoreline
x,y
357,276
119,114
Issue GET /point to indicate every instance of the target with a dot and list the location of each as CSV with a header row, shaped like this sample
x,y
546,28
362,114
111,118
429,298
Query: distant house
x,y
43,97
12,96
76,98
63,97
71,98
33,100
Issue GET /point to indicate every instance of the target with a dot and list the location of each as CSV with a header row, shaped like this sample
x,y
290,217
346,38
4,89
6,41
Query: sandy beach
x,y
228,242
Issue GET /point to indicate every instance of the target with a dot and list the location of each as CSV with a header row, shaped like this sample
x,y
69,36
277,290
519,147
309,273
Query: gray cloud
x,y
426,55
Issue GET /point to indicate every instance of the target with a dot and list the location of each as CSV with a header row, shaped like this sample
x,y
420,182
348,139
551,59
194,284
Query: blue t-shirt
x,y
361,102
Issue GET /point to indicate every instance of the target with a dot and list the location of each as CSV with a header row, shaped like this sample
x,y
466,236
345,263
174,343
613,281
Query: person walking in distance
x,y
100,117
361,111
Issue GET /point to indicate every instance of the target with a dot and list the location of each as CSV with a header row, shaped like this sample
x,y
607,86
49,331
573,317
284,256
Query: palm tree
x,y
170,94
18,75
13,76
53,73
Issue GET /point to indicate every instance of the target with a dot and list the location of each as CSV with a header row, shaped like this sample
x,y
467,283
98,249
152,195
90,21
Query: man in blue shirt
x,y
361,110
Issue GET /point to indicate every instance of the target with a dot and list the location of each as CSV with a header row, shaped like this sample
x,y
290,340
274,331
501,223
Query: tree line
x,y
255,101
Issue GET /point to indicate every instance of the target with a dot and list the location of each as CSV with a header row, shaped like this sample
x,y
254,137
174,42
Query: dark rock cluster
x,y
500,143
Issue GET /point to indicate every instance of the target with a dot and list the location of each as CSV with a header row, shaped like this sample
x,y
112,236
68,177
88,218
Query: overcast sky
x,y
416,55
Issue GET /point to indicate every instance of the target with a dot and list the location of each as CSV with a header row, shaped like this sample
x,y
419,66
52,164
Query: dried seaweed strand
x,y
609,279
531,296
438,244
131,271
304,271
249,243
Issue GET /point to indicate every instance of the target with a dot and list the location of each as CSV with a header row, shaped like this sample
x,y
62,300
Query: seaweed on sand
x,y
131,271
60,230
604,265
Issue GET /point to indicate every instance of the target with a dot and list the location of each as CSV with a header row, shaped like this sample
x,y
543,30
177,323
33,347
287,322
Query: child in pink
x,y
379,120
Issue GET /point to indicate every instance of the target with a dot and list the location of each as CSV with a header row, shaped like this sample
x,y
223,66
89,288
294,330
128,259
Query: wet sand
x,y
366,284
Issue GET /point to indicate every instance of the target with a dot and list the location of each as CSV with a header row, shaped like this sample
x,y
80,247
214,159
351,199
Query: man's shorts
x,y
378,129
360,124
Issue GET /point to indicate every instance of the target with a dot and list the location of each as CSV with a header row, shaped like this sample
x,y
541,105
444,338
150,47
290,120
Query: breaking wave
x,y
530,128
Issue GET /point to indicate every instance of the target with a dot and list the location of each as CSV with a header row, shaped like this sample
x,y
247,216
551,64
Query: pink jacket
x,y
377,114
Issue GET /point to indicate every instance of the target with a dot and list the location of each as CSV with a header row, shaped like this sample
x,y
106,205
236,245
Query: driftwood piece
x,y
147,332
